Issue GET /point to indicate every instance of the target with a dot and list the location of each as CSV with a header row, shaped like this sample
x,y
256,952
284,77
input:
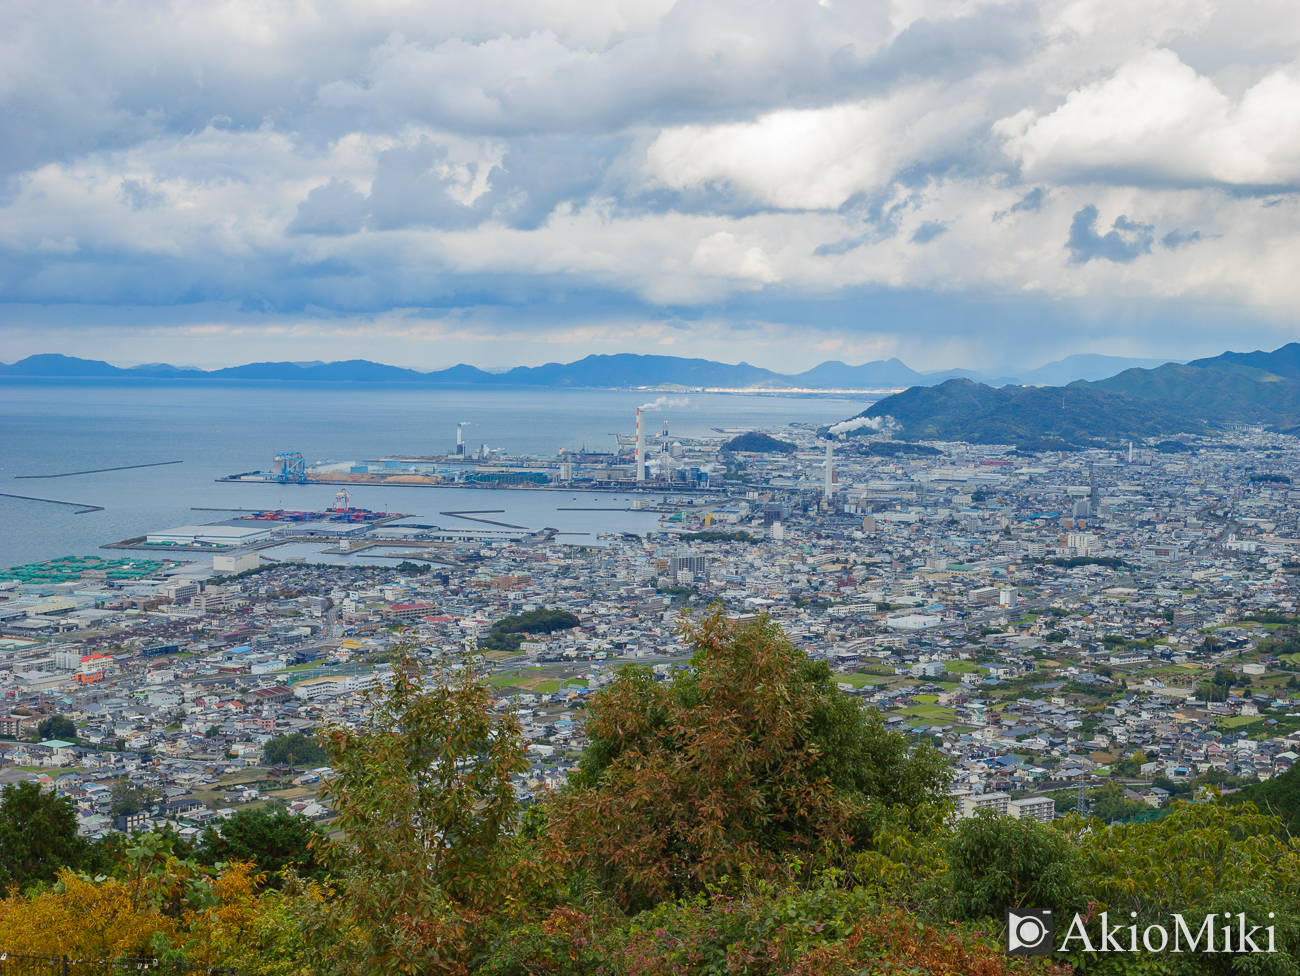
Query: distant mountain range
x,y
1234,388
624,371
1081,398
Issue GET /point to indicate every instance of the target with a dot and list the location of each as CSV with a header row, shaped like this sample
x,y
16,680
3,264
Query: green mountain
x,y
1251,388
757,442
966,411
1284,361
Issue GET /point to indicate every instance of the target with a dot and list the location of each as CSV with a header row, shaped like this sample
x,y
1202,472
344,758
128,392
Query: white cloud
x,y
722,255
360,158
794,159
1156,119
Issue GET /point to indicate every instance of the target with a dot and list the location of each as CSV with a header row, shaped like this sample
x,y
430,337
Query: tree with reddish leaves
x,y
750,762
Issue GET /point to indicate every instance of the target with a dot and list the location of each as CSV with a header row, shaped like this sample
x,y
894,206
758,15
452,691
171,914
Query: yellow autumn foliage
x,y
83,919
110,917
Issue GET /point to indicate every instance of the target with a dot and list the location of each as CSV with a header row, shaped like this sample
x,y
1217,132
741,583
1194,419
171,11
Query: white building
x,y
974,802
209,535
912,621
236,562
1081,542
1038,808
331,687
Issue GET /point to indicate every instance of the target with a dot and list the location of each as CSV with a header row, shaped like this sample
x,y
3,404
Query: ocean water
x,y
49,427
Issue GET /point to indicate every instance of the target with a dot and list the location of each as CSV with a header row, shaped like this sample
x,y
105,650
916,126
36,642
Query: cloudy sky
x,y
509,182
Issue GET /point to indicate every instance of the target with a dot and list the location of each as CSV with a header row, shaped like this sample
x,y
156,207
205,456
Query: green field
x,y
856,680
962,667
926,699
934,713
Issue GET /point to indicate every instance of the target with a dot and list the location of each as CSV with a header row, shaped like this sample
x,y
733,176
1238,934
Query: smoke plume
x,y
857,423
663,402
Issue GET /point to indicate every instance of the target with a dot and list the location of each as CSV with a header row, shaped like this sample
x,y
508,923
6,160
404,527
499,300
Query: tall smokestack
x,y
830,448
460,444
665,458
640,445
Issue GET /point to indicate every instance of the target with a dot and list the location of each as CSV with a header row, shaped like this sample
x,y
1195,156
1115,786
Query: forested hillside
x,y
966,411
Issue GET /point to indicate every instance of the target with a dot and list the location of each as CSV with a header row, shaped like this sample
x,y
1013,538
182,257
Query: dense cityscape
x,y
685,488
1074,630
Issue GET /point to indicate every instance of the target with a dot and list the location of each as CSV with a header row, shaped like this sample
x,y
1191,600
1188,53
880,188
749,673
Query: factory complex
x,y
1106,626
642,460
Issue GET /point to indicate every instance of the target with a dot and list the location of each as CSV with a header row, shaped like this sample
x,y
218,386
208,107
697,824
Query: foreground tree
x,y
154,903
38,836
1279,796
427,809
748,761
997,863
1200,859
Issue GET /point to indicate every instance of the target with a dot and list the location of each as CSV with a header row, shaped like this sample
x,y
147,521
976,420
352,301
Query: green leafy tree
x,y
1201,858
273,839
58,727
427,810
1279,796
1180,788
508,632
127,798
748,760
38,835
996,863
1107,802
295,749
1130,765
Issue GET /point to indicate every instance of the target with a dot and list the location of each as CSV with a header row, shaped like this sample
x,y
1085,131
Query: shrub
x,y
996,863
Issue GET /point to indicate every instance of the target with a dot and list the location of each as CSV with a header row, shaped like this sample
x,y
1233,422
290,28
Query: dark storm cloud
x,y
1126,241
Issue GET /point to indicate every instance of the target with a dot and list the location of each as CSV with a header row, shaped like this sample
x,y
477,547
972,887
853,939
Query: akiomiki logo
x,y
1030,933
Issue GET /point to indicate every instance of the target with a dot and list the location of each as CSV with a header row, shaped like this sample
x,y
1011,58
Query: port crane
x,y
290,468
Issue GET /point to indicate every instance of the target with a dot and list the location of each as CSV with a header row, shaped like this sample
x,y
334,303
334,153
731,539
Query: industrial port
x,y
640,461
679,483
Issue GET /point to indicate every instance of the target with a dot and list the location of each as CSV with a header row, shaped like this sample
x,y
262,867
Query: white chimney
x,y
830,448
640,445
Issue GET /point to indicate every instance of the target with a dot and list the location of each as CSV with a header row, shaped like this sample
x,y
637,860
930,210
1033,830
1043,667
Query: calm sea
x,y
216,430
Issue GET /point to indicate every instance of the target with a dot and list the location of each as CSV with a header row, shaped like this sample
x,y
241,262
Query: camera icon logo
x,y
1029,932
